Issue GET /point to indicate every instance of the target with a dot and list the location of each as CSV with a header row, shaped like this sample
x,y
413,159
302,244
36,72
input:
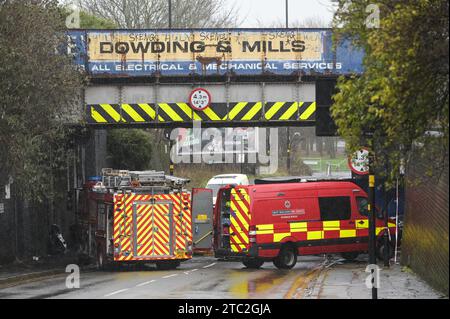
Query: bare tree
x,y
309,22
140,14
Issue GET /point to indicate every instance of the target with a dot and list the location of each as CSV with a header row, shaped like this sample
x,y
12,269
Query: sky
x,y
266,13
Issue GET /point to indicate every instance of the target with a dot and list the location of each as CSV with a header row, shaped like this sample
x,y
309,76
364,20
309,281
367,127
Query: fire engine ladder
x,y
123,178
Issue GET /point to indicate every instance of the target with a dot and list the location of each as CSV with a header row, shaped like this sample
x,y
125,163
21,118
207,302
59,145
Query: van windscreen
x,y
215,187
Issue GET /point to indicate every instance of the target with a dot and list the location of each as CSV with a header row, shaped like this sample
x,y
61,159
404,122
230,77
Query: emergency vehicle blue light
x,y
94,178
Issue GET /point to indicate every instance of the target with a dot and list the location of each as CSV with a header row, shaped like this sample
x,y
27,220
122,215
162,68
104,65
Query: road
x,y
201,278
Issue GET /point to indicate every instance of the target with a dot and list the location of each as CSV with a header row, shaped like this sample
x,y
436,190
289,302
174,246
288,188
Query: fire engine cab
x,y
266,222
136,217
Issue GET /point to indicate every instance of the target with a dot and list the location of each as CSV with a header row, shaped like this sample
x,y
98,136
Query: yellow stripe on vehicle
x,y
364,224
264,229
244,210
280,236
237,226
298,227
316,234
347,233
332,225
234,248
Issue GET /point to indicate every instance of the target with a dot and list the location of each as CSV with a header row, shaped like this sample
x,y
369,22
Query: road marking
x,y
145,283
116,292
194,270
209,265
169,276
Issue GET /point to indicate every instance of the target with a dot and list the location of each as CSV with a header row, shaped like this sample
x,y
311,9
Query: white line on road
x,y
116,292
194,270
209,265
168,276
145,283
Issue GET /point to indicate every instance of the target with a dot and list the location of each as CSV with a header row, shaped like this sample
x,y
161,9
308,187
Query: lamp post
x,y
287,14
372,222
171,165
369,134
288,130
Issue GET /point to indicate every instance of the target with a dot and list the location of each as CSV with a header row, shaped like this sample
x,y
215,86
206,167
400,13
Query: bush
x,y
129,149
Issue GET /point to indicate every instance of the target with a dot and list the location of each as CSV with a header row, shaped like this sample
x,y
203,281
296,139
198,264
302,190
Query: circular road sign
x,y
199,99
359,162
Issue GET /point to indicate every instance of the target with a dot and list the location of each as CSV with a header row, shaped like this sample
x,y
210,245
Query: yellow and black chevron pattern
x,y
217,112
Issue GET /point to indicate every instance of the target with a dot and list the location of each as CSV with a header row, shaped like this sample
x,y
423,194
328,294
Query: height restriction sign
x,y
200,99
359,162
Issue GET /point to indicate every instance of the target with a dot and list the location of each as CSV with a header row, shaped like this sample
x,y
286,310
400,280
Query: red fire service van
x,y
267,222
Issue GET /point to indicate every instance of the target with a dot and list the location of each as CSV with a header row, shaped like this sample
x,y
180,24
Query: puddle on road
x,y
253,283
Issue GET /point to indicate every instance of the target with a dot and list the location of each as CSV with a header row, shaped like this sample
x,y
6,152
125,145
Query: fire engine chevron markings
x,y
179,239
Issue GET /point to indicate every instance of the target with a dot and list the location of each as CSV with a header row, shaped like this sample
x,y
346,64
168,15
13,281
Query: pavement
x,y
347,280
28,270
314,277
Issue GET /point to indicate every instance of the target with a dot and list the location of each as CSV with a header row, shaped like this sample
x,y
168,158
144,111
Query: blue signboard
x,y
134,53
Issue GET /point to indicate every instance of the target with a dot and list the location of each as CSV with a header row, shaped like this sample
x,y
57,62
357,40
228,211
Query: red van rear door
x,y
240,219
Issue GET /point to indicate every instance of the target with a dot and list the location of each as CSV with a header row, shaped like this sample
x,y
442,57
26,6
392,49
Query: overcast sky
x,y
266,13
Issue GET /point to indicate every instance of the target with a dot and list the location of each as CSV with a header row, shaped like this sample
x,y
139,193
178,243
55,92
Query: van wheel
x,y
167,265
380,250
253,263
350,256
287,257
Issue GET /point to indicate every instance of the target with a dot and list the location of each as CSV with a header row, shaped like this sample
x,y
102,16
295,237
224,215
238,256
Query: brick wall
x,y
425,238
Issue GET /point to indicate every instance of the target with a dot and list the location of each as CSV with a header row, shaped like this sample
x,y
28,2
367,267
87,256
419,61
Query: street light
x,y
287,14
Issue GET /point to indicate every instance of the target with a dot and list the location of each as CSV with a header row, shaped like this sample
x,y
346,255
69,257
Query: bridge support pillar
x,y
96,151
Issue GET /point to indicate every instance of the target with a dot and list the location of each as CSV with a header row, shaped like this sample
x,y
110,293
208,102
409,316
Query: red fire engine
x,y
136,217
259,223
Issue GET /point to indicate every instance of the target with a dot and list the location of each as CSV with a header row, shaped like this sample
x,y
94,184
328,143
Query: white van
x,y
219,181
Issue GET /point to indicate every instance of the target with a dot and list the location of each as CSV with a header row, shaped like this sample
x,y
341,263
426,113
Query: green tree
x,y
403,92
129,149
38,85
89,21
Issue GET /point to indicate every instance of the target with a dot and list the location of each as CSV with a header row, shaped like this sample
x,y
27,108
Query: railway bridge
x,y
246,78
